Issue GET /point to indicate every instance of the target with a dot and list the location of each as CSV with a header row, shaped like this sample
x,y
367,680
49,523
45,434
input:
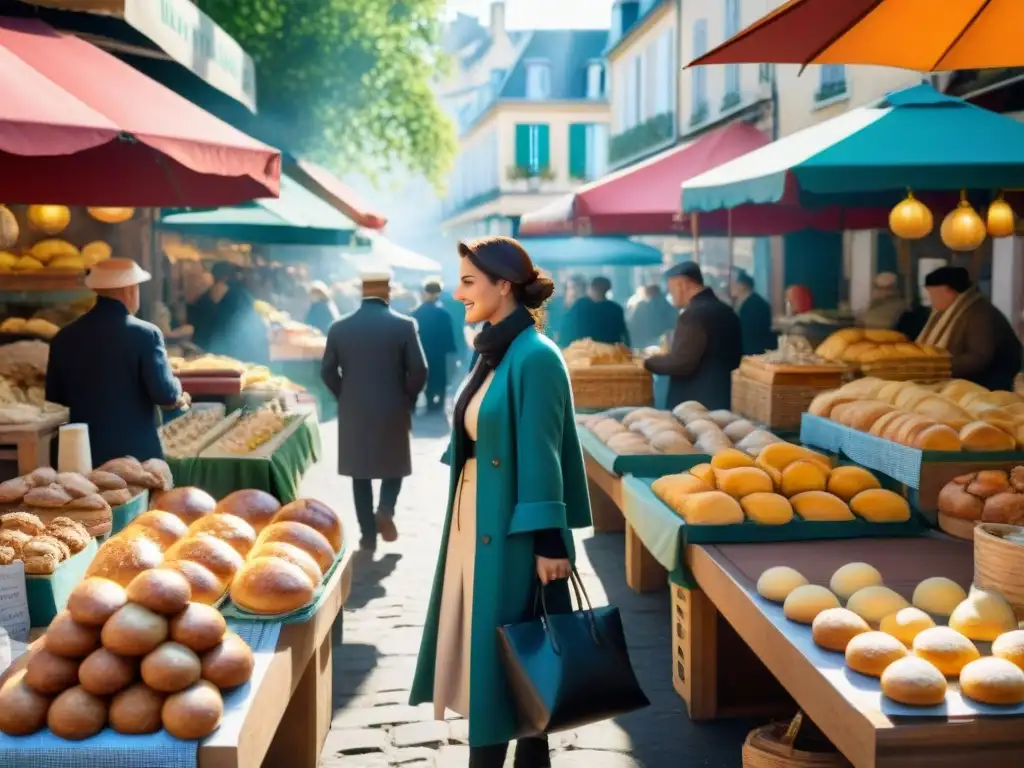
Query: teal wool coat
x,y
530,476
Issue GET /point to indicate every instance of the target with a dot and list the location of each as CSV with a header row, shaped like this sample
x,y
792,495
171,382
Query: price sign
x,y
14,616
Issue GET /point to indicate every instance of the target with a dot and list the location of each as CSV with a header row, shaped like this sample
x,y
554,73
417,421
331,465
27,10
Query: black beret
x,y
957,278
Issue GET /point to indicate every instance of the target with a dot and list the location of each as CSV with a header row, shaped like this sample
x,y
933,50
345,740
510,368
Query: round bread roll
x,y
76,714
136,710
229,664
193,713
95,600
915,682
213,554
66,637
906,624
161,590
804,603
162,528
121,559
104,673
293,555
1010,646
776,583
983,616
50,674
134,631
871,652
834,628
22,709
853,577
257,508
317,516
189,504
229,529
946,648
938,595
198,627
310,541
172,667
875,603
993,680
205,586
270,585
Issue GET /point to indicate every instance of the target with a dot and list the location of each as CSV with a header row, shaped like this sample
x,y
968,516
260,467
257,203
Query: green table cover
x,y
47,595
306,373
639,465
278,475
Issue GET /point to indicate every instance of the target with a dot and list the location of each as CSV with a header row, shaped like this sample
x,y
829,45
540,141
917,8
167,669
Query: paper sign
x,y
14,616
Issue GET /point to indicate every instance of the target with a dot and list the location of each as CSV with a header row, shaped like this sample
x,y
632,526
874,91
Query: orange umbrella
x,y
923,35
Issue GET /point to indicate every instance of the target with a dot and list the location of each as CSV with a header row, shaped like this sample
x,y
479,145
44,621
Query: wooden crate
x,y
29,444
743,687
777,406
598,387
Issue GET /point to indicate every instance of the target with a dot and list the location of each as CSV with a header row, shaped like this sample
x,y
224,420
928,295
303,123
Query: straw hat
x,y
376,276
116,273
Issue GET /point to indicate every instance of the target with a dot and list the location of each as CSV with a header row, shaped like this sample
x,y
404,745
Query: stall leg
x,y
607,516
643,572
303,729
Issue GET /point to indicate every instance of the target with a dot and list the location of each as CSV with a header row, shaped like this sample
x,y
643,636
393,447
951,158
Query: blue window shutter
x,y
543,150
577,150
523,145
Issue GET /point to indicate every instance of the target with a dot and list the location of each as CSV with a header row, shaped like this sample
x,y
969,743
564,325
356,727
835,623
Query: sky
x,y
543,14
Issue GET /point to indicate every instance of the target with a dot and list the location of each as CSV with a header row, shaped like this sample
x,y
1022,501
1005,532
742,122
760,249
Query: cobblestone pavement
x,y
373,725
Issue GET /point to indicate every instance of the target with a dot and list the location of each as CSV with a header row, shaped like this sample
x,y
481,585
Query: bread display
x,y
42,548
271,585
315,515
162,528
47,495
989,496
256,507
23,375
585,353
217,556
189,434
253,429
886,354
189,504
94,600
230,529
122,558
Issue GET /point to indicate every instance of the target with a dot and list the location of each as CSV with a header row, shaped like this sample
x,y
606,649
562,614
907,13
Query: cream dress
x,y
451,673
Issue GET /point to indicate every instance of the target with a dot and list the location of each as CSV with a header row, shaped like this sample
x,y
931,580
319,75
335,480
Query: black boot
x,y
533,753
491,756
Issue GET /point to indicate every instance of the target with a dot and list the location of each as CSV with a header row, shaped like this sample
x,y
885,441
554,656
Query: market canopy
x,y
297,217
329,187
564,252
916,138
383,252
80,127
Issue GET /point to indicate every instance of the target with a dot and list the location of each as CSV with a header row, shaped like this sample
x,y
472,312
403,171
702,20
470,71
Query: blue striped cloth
x,y
158,750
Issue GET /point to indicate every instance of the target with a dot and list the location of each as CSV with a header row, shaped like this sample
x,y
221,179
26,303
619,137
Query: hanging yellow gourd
x,y
96,251
112,215
911,219
49,219
8,228
1000,219
963,229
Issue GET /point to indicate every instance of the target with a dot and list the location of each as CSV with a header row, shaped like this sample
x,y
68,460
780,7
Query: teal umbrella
x,y
564,252
916,139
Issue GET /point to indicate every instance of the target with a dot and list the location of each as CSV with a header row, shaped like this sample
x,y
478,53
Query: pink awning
x,y
326,185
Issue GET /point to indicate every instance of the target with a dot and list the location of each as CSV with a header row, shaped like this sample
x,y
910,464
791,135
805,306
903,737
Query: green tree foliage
x,y
347,82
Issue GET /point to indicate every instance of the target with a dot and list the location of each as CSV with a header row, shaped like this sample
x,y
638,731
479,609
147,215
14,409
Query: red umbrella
x,y
80,127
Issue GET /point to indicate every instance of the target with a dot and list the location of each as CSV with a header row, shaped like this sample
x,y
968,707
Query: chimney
x,y
497,18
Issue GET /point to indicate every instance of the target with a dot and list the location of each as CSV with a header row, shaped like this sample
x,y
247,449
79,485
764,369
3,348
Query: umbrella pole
x,y
695,232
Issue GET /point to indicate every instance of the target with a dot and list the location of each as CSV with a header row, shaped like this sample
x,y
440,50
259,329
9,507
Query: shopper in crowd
x,y
755,315
518,487
458,364
983,345
799,300
375,367
651,317
706,346
597,317
438,341
239,331
887,303
556,322
322,313
111,370
202,313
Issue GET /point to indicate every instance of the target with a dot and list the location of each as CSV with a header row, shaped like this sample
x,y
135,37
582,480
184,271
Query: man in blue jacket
x,y
111,369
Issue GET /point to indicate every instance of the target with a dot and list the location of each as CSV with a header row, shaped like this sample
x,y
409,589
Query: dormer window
x,y
538,79
595,80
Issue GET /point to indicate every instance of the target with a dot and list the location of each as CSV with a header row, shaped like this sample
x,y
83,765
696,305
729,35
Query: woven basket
x,y
776,406
771,746
611,386
999,564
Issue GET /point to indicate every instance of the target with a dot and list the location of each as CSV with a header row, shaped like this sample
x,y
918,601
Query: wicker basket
x,y
999,564
771,746
778,407
611,386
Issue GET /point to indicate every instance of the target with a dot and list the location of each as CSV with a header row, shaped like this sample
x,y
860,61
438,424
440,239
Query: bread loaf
x,y
170,667
161,590
803,475
133,631
877,505
229,664
22,709
136,710
712,508
66,637
296,556
269,585
981,436
993,681
94,600
946,648
804,603
871,652
915,682
161,527
198,627
122,559
50,674
820,506
983,616
76,714
906,624
317,516
874,603
310,541
767,508
194,713
853,577
731,458
229,529
955,501
1010,646
938,595
847,482
777,582
217,556
104,673
834,628
205,587
187,503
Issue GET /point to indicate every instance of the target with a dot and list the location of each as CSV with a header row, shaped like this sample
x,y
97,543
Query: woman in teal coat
x,y
517,487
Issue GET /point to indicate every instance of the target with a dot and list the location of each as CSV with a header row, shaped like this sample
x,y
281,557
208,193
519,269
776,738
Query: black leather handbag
x,y
569,669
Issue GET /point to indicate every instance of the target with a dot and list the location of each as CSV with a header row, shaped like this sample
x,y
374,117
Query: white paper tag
x,y
14,616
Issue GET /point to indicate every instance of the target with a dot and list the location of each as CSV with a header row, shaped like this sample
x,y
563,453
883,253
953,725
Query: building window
x,y
588,151
595,80
631,93
640,87
538,80
699,75
533,149
833,82
663,69
732,28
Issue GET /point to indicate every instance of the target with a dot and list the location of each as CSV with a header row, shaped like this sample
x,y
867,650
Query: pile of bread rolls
x,y
714,431
23,536
784,479
989,496
270,558
584,353
913,647
886,354
958,415
136,659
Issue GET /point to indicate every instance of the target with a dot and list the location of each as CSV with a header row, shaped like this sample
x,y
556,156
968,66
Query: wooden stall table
x,y
605,497
30,444
868,737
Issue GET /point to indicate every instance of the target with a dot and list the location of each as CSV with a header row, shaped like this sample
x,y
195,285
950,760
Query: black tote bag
x,y
569,669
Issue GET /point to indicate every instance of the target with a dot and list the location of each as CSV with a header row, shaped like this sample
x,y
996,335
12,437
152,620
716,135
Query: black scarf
x,y
491,345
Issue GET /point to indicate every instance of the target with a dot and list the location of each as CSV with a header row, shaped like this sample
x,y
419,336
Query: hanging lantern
x,y
1000,219
963,229
96,251
49,219
8,228
911,219
112,215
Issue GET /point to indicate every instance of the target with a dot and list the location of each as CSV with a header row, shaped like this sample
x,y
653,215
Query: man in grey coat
x,y
375,366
